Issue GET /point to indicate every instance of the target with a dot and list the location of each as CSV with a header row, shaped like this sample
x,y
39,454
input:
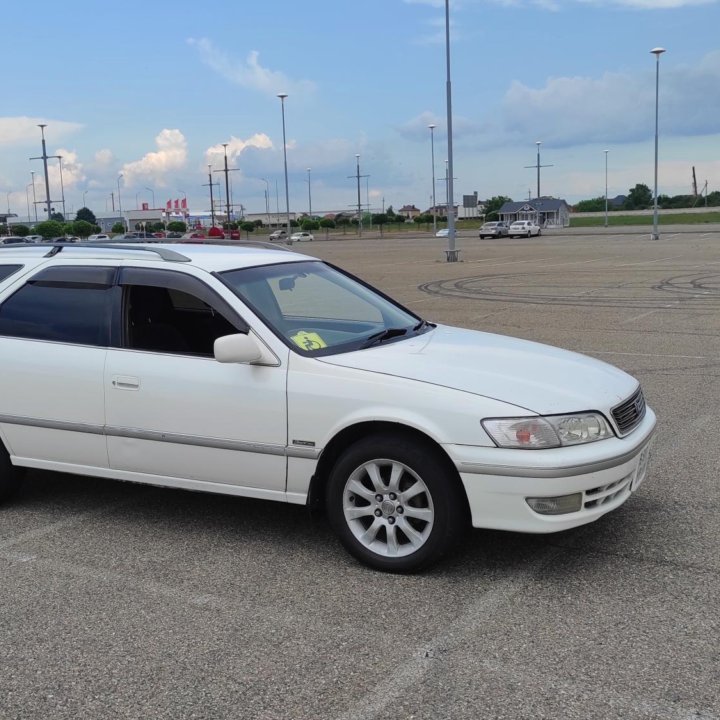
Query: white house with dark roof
x,y
545,211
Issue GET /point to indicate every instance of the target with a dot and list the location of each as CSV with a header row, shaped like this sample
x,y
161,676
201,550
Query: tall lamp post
x,y
432,155
606,197
267,199
451,254
657,52
282,97
122,220
152,192
309,170
357,159
32,174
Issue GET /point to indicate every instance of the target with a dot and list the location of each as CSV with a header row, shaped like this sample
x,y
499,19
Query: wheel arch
x,y
358,431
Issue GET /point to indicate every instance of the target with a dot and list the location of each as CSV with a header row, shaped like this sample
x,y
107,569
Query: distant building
x,y
409,212
545,211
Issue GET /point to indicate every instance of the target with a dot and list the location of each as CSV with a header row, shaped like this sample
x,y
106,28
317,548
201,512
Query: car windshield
x,y
318,310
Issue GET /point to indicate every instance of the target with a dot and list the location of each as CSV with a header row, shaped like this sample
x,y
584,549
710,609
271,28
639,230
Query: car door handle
x,y
126,382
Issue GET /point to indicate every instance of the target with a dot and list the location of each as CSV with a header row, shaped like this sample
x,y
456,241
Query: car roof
x,y
213,258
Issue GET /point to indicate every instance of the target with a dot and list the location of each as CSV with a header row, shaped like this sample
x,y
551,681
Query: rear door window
x,y
62,304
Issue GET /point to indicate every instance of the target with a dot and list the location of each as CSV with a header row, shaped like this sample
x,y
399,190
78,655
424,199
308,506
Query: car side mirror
x,y
243,348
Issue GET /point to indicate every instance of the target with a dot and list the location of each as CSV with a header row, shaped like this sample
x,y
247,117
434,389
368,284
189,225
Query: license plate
x,y
641,469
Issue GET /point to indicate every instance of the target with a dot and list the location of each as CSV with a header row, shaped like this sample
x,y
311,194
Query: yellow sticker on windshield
x,y
308,341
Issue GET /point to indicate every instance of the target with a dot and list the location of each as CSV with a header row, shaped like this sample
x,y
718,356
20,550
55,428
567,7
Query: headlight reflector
x,y
551,431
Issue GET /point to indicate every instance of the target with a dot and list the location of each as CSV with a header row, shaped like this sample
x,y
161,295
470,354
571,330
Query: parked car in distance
x,y
34,238
174,235
494,229
302,237
278,235
445,232
234,234
193,235
216,232
524,228
270,374
99,237
13,240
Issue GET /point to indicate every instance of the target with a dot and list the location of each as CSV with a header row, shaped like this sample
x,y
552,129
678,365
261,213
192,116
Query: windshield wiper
x,y
382,336
423,324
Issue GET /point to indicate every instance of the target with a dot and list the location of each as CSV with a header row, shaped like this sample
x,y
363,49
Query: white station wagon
x,y
262,372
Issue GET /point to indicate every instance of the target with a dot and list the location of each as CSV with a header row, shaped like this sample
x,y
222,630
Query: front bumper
x,y
498,481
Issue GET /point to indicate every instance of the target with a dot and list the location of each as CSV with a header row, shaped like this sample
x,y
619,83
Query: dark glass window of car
x,y
70,305
8,270
160,319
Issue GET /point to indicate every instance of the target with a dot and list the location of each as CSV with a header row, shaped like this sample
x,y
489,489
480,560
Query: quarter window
x,y
8,270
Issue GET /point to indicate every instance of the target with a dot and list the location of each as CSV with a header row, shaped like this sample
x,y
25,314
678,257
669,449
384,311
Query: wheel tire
x,y
529,233
539,233
9,476
420,513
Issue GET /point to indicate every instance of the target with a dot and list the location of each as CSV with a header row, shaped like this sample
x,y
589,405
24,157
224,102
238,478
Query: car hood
x,y
532,376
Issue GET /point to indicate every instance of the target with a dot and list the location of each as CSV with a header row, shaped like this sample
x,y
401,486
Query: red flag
x,y
168,205
183,203
177,204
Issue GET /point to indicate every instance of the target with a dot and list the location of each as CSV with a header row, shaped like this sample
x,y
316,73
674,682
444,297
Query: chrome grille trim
x,y
629,414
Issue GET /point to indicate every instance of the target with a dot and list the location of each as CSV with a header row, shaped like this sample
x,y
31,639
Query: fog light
x,y
556,505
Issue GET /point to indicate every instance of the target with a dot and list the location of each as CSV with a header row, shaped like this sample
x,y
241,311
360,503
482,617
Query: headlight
x,y
552,431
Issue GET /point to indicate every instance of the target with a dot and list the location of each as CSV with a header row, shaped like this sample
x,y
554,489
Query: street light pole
x,y
309,194
27,198
122,220
606,191
152,192
288,240
452,253
538,143
357,158
432,154
267,199
62,188
85,192
657,52
32,173
47,177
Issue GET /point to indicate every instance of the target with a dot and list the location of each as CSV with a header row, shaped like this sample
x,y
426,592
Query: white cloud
x,y
170,156
614,108
248,74
104,157
72,170
15,130
215,155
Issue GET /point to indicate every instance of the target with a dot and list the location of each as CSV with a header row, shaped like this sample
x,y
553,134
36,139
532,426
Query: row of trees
x,y
641,198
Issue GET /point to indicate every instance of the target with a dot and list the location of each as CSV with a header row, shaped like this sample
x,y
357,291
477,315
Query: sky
x,y
140,96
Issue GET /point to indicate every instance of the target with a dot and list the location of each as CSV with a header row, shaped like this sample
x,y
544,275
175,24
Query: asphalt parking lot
x,y
125,601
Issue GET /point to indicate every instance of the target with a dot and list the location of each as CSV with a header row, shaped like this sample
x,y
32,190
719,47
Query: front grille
x,y
630,413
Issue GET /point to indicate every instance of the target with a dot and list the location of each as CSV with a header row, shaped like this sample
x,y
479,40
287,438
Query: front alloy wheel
x,y
388,508
394,504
